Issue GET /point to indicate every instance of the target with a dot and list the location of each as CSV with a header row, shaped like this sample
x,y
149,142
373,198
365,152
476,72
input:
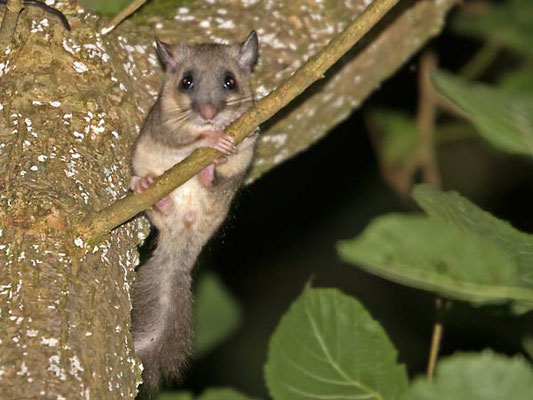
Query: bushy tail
x,y
161,315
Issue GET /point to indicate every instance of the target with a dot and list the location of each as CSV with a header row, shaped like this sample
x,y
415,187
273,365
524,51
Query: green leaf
x,y
217,314
485,376
327,346
396,142
455,209
520,80
150,8
223,394
459,251
503,118
508,23
434,255
175,396
527,344
160,8
399,139
105,7
209,394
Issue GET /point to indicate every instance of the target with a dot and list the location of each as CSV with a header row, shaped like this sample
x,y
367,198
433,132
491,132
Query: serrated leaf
x,y
508,23
455,209
485,376
217,314
432,255
459,251
223,394
503,118
327,346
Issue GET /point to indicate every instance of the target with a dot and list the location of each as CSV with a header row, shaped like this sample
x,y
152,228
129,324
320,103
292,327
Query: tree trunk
x,y
71,104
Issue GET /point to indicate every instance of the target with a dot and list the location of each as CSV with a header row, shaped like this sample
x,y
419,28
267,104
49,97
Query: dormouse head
x,y
208,85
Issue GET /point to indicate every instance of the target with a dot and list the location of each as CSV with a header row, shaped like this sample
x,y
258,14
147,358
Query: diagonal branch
x,y
100,223
122,15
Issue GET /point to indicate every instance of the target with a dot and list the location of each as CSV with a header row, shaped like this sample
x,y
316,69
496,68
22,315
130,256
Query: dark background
x,y
283,230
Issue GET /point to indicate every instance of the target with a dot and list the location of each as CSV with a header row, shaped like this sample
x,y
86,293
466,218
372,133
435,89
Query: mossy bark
x,y
71,104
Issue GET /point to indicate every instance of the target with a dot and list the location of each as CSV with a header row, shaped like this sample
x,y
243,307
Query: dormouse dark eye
x,y
230,82
187,82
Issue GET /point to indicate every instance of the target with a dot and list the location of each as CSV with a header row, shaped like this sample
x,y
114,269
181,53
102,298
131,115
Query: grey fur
x,y
249,51
173,129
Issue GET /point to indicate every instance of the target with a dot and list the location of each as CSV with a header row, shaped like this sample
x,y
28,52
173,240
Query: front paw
x,y
218,141
226,145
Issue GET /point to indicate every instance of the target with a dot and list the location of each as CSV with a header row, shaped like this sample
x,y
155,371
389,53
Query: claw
x,y
223,143
138,185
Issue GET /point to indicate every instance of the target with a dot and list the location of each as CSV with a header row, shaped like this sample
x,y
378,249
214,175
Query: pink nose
x,y
208,110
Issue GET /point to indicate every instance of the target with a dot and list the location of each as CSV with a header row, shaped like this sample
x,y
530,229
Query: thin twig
x,y
427,112
121,16
441,307
9,22
427,162
482,60
100,223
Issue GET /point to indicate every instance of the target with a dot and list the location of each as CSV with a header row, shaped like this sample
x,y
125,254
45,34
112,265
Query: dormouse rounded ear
x,y
249,51
166,54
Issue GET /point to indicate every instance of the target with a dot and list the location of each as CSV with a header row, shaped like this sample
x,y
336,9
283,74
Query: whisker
x,y
240,100
178,115
179,111
177,119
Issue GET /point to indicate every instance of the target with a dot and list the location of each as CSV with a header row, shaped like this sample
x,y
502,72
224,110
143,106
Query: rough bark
x,y
70,106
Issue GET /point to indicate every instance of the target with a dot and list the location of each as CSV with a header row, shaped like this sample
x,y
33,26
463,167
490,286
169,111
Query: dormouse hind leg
x,y
138,185
207,175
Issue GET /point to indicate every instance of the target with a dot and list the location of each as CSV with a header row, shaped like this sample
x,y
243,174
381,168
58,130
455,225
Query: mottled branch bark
x,y
121,211
71,104
9,22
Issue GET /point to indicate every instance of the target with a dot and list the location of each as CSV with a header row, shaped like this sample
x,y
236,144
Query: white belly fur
x,y
151,157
